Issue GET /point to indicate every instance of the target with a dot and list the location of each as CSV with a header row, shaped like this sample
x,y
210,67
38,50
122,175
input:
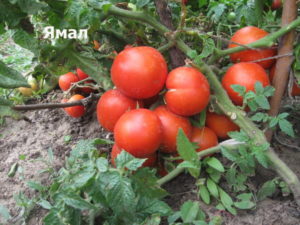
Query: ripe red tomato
x,y
220,124
65,81
204,137
248,35
170,127
150,162
75,111
139,132
245,74
139,72
188,91
111,106
295,89
276,4
81,75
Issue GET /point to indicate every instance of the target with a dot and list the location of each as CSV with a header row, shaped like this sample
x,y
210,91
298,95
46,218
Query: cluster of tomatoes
x,y
143,124
65,83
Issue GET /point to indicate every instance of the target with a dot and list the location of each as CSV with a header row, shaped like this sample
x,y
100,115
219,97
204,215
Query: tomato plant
x,y
187,83
220,124
139,72
171,123
245,74
248,35
204,137
111,106
150,162
65,81
75,111
138,132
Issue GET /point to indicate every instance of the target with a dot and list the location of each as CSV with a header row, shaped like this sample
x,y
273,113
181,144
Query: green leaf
x,y
153,220
141,3
262,101
102,164
6,110
212,188
269,91
45,204
239,89
53,218
239,136
262,158
26,40
208,49
244,204
83,177
187,151
119,192
31,6
4,213
75,201
226,201
192,54
100,141
258,117
286,127
259,89
231,175
145,183
10,78
273,122
244,196
153,206
216,164
36,186
228,154
204,194
189,211
267,189
126,160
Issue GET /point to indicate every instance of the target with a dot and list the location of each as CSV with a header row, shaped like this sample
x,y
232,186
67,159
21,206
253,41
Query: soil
x,y
48,128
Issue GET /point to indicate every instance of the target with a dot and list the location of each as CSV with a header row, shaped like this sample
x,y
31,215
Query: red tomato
x,y
81,75
151,160
65,81
138,132
295,89
220,124
245,74
111,106
184,2
204,137
75,111
276,4
248,35
188,91
170,127
139,72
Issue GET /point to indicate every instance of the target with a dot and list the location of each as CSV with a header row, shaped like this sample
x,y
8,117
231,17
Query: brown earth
x,y
47,130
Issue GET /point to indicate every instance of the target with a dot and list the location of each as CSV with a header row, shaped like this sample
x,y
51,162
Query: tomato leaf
x,y
286,127
267,189
239,89
126,160
10,78
212,188
189,211
228,154
102,164
204,194
216,164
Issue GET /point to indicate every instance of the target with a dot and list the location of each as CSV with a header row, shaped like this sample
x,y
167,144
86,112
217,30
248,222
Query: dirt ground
x,y
48,129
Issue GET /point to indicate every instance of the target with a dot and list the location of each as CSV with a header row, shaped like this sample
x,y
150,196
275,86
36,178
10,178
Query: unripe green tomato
x,y
231,16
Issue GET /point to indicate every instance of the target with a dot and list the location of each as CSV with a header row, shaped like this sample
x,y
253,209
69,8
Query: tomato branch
x,y
265,42
222,99
229,144
83,102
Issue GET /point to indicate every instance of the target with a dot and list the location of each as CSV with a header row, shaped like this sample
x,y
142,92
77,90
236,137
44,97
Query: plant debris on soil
x,y
26,142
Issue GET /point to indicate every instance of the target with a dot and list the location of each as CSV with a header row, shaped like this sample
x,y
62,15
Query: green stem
x,y
258,5
174,173
222,99
265,42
